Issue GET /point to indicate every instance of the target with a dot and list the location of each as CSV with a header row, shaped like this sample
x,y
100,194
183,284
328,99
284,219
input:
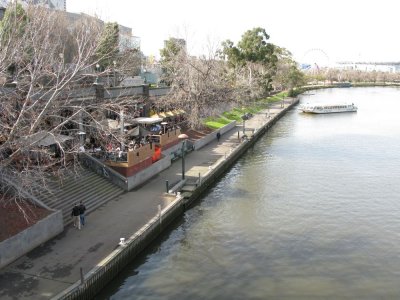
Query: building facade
x,y
390,67
52,4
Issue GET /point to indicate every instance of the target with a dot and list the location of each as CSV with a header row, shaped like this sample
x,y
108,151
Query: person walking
x,y
76,215
218,136
82,209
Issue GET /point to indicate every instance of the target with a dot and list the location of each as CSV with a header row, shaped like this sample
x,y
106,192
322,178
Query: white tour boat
x,y
327,108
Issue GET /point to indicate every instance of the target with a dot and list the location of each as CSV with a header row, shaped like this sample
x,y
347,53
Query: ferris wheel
x,y
315,58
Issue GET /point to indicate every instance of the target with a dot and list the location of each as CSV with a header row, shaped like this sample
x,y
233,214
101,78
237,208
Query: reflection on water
x,y
311,212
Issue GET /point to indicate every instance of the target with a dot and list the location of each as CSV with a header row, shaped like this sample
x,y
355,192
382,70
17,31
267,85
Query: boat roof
x,y
328,104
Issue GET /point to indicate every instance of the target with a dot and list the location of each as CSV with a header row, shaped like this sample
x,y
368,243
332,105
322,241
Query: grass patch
x,y
236,113
231,115
217,122
214,125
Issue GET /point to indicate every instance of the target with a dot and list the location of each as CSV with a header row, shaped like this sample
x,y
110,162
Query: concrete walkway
x,y
54,266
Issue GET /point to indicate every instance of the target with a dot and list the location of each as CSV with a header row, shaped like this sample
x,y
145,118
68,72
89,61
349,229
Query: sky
x,y
314,31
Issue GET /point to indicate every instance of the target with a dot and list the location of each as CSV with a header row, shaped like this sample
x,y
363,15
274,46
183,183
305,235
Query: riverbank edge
x,y
94,281
224,164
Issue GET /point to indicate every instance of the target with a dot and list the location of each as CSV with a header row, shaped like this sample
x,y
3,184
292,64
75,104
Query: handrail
x,y
98,162
102,169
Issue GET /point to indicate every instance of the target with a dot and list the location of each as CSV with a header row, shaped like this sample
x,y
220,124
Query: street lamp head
x,y
183,136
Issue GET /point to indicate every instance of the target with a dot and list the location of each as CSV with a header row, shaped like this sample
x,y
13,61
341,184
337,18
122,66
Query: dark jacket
x,y
82,209
75,211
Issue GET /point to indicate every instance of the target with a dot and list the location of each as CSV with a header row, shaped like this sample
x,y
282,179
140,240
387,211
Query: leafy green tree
x,y
255,57
232,54
107,50
172,49
14,21
169,54
287,76
254,47
13,24
295,78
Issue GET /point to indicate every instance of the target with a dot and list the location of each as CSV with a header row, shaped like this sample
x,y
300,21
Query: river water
x,y
311,212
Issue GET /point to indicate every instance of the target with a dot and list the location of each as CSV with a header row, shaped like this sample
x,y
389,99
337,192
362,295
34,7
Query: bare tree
x,y
199,85
51,62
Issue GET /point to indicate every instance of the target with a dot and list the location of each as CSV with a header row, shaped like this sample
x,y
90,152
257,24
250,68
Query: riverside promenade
x,y
56,265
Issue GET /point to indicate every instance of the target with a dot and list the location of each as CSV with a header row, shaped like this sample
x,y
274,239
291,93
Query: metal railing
x,y
100,168
106,270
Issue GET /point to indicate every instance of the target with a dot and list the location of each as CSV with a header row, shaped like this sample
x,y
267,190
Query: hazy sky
x,y
313,30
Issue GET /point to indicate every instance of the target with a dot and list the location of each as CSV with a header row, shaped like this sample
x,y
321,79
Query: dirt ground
x,y
198,134
14,217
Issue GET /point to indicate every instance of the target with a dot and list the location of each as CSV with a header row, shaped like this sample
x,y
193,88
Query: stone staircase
x,y
84,185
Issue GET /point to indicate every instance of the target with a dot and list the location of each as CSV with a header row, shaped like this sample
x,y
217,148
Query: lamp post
x,y
183,137
164,124
244,123
115,64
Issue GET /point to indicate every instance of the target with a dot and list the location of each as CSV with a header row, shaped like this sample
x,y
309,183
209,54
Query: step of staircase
x,y
82,185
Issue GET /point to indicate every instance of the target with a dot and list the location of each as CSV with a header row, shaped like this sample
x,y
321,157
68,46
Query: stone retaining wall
x,y
146,174
23,242
200,143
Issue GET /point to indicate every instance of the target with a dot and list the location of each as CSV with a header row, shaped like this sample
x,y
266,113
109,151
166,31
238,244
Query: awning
x,y
169,114
152,120
179,112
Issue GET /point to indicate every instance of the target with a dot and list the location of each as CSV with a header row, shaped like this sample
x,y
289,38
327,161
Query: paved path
x,y
54,266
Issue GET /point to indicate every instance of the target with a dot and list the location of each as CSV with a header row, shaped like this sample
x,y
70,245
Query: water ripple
x,y
311,212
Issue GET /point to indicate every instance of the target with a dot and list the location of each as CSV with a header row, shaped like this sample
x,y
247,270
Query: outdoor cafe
x,y
163,134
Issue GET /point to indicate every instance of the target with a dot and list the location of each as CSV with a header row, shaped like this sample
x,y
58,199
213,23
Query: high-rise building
x,y
52,4
59,4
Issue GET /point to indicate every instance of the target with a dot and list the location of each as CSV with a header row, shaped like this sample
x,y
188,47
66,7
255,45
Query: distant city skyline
x,y
314,31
